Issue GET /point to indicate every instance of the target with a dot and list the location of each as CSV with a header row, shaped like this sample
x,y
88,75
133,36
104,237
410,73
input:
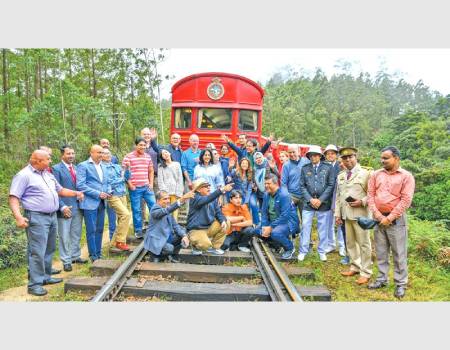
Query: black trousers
x,y
238,239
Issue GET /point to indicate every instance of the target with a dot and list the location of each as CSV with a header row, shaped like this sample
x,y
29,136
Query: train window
x,y
183,118
214,118
248,120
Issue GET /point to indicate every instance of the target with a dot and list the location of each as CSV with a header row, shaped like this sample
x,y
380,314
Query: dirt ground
x,y
21,294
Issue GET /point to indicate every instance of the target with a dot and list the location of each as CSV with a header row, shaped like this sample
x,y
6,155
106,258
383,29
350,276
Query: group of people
x,y
233,193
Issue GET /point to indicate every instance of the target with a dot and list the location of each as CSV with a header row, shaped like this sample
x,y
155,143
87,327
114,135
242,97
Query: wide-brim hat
x,y
314,149
347,151
199,183
330,147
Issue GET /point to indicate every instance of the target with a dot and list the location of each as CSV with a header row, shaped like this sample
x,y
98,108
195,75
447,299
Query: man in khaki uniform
x,y
351,203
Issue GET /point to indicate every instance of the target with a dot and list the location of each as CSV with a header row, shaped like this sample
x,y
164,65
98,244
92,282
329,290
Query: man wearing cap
x,y
351,203
206,223
316,186
390,193
330,154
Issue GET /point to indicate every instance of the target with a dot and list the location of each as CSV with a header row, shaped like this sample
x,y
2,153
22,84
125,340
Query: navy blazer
x,y
285,210
319,186
161,226
62,175
89,183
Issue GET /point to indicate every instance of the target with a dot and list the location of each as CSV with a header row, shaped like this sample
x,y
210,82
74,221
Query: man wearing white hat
x,y
206,223
330,154
316,186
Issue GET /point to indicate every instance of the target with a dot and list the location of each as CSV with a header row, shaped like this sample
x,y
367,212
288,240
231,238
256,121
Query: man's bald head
x,y
104,143
293,152
96,153
40,160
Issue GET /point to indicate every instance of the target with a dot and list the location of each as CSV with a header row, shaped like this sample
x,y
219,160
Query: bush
x,y
430,241
13,241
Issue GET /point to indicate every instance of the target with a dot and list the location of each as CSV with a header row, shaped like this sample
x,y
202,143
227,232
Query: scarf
x,y
260,172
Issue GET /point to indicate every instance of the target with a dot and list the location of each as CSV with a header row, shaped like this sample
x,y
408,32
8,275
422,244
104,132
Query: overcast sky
x,y
430,65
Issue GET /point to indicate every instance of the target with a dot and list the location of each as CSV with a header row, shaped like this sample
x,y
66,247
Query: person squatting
x,y
233,193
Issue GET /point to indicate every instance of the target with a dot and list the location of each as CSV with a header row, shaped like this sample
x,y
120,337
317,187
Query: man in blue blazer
x,y
164,235
70,217
92,181
279,218
316,187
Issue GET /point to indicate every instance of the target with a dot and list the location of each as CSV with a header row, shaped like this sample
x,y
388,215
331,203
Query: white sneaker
x,y
342,251
196,252
301,257
244,249
323,257
215,251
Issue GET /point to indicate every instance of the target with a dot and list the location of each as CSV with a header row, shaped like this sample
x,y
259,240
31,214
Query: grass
x,y
426,282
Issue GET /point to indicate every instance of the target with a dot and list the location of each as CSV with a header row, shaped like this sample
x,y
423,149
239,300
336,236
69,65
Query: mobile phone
x,y
350,199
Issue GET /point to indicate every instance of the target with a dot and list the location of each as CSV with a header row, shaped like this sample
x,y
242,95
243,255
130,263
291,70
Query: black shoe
x,y
38,291
155,260
173,259
53,281
79,261
376,285
399,292
55,271
67,267
139,234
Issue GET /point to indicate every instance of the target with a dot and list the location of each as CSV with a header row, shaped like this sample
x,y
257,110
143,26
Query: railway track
x,y
234,276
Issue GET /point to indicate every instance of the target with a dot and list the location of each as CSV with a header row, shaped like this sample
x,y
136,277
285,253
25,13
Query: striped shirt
x,y
139,168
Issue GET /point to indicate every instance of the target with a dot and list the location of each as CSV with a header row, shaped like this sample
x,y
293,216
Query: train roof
x,y
215,74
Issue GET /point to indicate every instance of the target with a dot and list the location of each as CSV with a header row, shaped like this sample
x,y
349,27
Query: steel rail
x,y
113,286
269,278
282,275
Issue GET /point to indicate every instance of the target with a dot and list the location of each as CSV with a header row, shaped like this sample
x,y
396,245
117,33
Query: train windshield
x,y
183,118
214,118
248,120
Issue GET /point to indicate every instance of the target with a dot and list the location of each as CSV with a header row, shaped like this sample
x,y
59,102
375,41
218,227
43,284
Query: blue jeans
x,y
41,234
111,221
280,236
142,192
330,235
254,209
94,221
322,230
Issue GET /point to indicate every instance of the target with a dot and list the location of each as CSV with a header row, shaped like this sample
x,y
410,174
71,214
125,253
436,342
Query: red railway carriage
x,y
212,104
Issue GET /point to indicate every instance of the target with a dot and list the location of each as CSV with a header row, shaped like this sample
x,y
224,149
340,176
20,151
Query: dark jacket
x,y
160,227
203,210
175,153
242,152
317,186
286,211
62,175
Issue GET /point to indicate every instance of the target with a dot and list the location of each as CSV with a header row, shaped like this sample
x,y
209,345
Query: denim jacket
x,y
116,182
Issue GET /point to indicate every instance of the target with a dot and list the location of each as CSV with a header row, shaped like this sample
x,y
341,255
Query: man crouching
x,y
205,223
164,236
